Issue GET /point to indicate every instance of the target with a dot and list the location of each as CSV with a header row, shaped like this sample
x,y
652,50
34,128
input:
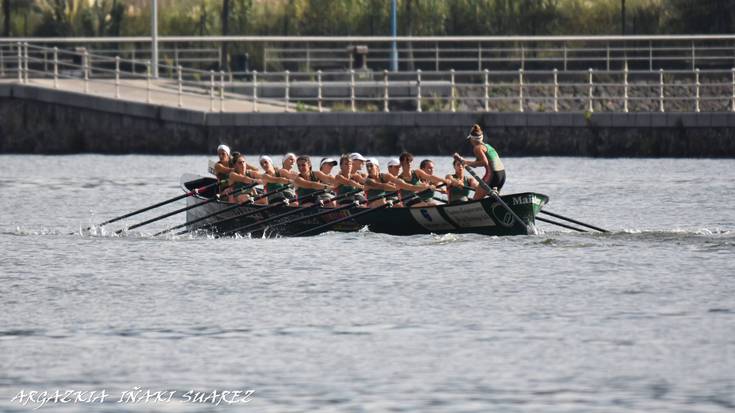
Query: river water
x,y
640,319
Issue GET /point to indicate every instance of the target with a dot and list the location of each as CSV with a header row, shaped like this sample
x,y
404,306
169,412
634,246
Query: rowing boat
x,y
486,216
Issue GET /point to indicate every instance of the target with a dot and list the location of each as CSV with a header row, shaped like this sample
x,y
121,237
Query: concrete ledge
x,y
40,120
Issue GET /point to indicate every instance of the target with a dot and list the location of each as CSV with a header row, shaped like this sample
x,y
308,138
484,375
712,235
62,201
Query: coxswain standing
x,y
487,157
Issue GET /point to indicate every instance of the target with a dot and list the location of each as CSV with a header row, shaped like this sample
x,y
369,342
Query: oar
x,y
559,224
495,196
330,210
247,214
369,210
168,201
573,221
229,208
257,225
186,208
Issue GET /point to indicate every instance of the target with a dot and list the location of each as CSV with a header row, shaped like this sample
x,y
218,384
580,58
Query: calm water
x,y
642,319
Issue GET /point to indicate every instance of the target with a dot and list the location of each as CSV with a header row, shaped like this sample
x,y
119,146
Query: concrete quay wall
x,y
40,120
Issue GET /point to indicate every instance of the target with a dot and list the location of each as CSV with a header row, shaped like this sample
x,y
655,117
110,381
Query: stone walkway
x,y
163,92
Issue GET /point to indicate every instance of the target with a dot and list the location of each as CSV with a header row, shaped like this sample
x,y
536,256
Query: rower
x,y
376,183
357,162
306,182
418,178
324,174
222,168
345,180
240,178
272,180
458,184
487,157
426,175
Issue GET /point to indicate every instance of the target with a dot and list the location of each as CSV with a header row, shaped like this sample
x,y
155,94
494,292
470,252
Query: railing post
x,y
418,90
117,77
556,90
352,90
452,91
211,90
2,62
479,56
608,57
56,67
288,91
520,90
385,90
132,57
589,92
565,57
221,90
181,86
436,56
661,89
625,88
148,75
26,62
20,63
45,61
694,57
696,74
523,57
85,67
255,90
733,89
650,56
487,90
319,90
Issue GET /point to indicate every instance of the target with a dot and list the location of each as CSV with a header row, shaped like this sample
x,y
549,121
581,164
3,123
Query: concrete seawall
x,y
40,120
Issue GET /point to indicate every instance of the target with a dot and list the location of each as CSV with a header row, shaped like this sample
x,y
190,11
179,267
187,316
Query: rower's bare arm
x,y
481,158
303,183
329,179
221,169
250,167
431,178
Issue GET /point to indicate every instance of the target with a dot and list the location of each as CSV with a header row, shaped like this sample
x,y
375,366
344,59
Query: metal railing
x,y
359,90
428,53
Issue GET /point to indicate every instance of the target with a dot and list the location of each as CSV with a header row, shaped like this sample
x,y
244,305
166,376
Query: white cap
x,y
373,161
327,160
289,155
394,162
355,156
223,147
474,137
266,158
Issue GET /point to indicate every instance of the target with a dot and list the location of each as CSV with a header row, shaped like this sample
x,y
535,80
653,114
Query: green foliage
x,y
368,17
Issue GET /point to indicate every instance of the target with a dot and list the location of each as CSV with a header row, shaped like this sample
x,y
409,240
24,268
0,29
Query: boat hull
x,y
486,216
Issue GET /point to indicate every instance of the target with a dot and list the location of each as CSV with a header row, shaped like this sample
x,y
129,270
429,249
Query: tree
x,y
6,16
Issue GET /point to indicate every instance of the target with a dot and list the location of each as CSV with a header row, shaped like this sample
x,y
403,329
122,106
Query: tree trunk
x,y
6,14
224,64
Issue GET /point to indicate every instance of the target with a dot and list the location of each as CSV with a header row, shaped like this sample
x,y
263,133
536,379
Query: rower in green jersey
x,y
459,185
487,157
239,179
376,183
345,181
418,179
306,182
222,168
272,181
